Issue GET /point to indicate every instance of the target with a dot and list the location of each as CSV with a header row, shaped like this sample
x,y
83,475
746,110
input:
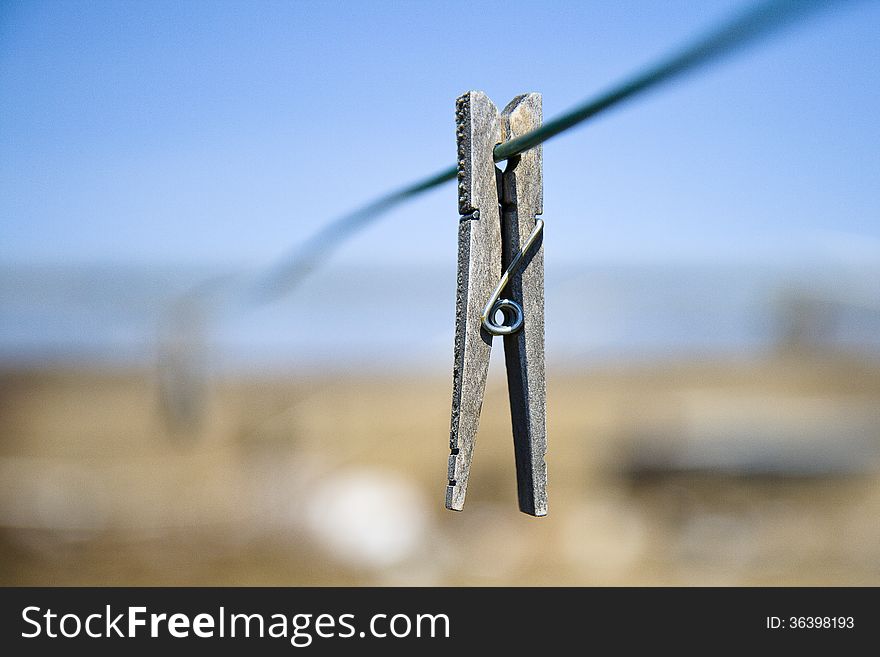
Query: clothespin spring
x,y
512,311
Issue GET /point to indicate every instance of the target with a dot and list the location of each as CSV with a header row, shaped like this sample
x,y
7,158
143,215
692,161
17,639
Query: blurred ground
x,y
722,473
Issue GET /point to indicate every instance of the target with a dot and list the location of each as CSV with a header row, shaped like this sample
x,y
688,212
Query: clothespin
x,y
499,251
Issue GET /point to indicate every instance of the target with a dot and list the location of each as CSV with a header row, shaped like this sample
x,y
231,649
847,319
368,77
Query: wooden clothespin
x,y
500,251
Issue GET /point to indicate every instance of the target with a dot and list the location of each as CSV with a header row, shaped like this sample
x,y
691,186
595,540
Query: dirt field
x,y
711,474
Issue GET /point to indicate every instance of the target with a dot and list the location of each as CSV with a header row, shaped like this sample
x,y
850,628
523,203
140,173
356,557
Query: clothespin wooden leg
x,y
522,201
479,267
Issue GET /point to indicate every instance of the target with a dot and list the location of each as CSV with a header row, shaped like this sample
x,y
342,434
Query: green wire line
x,y
752,24
744,29
307,256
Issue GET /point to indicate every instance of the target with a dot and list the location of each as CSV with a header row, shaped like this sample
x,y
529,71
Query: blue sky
x,y
223,132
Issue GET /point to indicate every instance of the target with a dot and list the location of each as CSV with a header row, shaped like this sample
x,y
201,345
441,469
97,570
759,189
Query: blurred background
x,y
713,299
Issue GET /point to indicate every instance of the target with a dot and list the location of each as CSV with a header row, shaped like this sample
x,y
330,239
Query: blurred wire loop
x,y
744,29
